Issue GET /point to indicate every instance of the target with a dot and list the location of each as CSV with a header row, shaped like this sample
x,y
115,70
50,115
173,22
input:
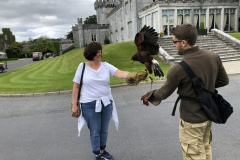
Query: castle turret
x,y
103,7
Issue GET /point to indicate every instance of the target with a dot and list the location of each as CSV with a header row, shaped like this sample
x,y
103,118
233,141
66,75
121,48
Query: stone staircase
x,y
225,49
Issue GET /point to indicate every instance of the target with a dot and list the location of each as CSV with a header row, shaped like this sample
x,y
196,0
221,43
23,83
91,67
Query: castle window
x,y
229,19
116,35
126,7
199,16
168,21
183,16
121,13
214,18
130,5
122,33
94,39
141,23
155,21
129,30
148,20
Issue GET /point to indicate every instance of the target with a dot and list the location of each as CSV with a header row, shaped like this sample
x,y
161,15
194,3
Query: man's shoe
x,y
99,157
106,156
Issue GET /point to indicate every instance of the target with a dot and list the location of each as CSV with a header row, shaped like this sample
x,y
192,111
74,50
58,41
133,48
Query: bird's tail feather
x,y
157,70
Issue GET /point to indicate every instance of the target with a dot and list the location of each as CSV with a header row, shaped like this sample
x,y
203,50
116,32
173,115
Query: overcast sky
x,y
34,18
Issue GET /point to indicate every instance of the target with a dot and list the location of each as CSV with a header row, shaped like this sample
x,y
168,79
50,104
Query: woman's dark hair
x,y
186,32
91,50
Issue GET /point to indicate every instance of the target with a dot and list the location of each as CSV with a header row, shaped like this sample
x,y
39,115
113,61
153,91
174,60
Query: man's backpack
x,y
213,104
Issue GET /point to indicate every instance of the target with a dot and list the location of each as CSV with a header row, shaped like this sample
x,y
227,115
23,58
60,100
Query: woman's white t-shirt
x,y
96,83
96,86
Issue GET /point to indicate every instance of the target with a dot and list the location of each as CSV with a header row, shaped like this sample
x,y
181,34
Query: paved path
x,y
18,64
41,128
232,67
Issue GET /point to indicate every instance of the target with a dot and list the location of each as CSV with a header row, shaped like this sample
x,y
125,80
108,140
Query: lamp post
x,y
6,61
5,55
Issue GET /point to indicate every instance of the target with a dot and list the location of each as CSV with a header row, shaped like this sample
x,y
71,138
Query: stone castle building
x,y
120,20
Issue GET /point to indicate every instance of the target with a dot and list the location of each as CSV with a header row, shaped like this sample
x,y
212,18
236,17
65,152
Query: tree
x,y
44,45
69,35
16,48
91,20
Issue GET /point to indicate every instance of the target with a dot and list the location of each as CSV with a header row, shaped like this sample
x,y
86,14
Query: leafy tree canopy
x,y
15,47
91,20
69,35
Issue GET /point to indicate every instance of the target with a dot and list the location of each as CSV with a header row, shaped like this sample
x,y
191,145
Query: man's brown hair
x,y
186,32
91,50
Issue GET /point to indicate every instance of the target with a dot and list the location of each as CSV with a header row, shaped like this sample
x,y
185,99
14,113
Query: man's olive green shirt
x,y
208,66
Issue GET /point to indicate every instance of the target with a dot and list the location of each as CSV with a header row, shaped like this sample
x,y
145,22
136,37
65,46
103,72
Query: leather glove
x,y
133,78
148,97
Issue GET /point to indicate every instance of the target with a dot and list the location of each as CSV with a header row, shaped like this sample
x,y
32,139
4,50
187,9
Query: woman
x,y
96,100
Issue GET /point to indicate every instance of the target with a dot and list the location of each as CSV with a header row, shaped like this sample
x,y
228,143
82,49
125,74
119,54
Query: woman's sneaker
x,y
99,157
106,156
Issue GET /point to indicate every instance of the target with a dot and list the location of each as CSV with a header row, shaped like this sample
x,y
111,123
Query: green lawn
x,y
3,61
236,35
56,74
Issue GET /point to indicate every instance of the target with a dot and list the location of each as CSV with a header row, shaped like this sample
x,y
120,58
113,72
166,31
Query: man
x,y
194,126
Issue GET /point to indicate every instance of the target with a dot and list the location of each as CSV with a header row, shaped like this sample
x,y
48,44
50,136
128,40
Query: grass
x,y
3,61
56,74
236,35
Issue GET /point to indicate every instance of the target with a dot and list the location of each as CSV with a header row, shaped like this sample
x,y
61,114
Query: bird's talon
x,y
149,79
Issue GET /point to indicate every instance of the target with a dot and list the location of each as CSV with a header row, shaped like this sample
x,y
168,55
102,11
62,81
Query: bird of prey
x,y
146,42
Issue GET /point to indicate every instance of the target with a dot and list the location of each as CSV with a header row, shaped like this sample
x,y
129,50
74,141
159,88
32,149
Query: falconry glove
x,y
148,97
133,78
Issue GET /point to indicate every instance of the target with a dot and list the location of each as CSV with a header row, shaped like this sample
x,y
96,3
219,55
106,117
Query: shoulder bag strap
x,y
191,74
187,69
81,81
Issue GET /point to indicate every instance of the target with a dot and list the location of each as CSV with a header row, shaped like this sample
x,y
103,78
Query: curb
x,y
70,91
37,94
63,92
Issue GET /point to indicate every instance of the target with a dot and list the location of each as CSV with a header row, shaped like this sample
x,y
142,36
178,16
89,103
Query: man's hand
x,y
148,97
145,100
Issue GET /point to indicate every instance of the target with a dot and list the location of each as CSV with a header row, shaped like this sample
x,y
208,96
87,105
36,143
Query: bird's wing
x,y
157,70
138,40
149,41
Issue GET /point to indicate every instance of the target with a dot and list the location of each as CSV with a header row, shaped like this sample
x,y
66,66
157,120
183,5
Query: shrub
x,y
106,40
202,25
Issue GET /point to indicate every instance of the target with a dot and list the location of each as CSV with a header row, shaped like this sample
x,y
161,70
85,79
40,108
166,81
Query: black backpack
x,y
213,104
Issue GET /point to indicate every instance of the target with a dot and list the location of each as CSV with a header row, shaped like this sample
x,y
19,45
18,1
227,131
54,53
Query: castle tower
x,y
103,7
78,34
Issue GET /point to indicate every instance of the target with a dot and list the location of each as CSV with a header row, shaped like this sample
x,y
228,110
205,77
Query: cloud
x,y
33,18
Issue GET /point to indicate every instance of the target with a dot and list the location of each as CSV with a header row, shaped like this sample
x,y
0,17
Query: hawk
x,y
146,43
